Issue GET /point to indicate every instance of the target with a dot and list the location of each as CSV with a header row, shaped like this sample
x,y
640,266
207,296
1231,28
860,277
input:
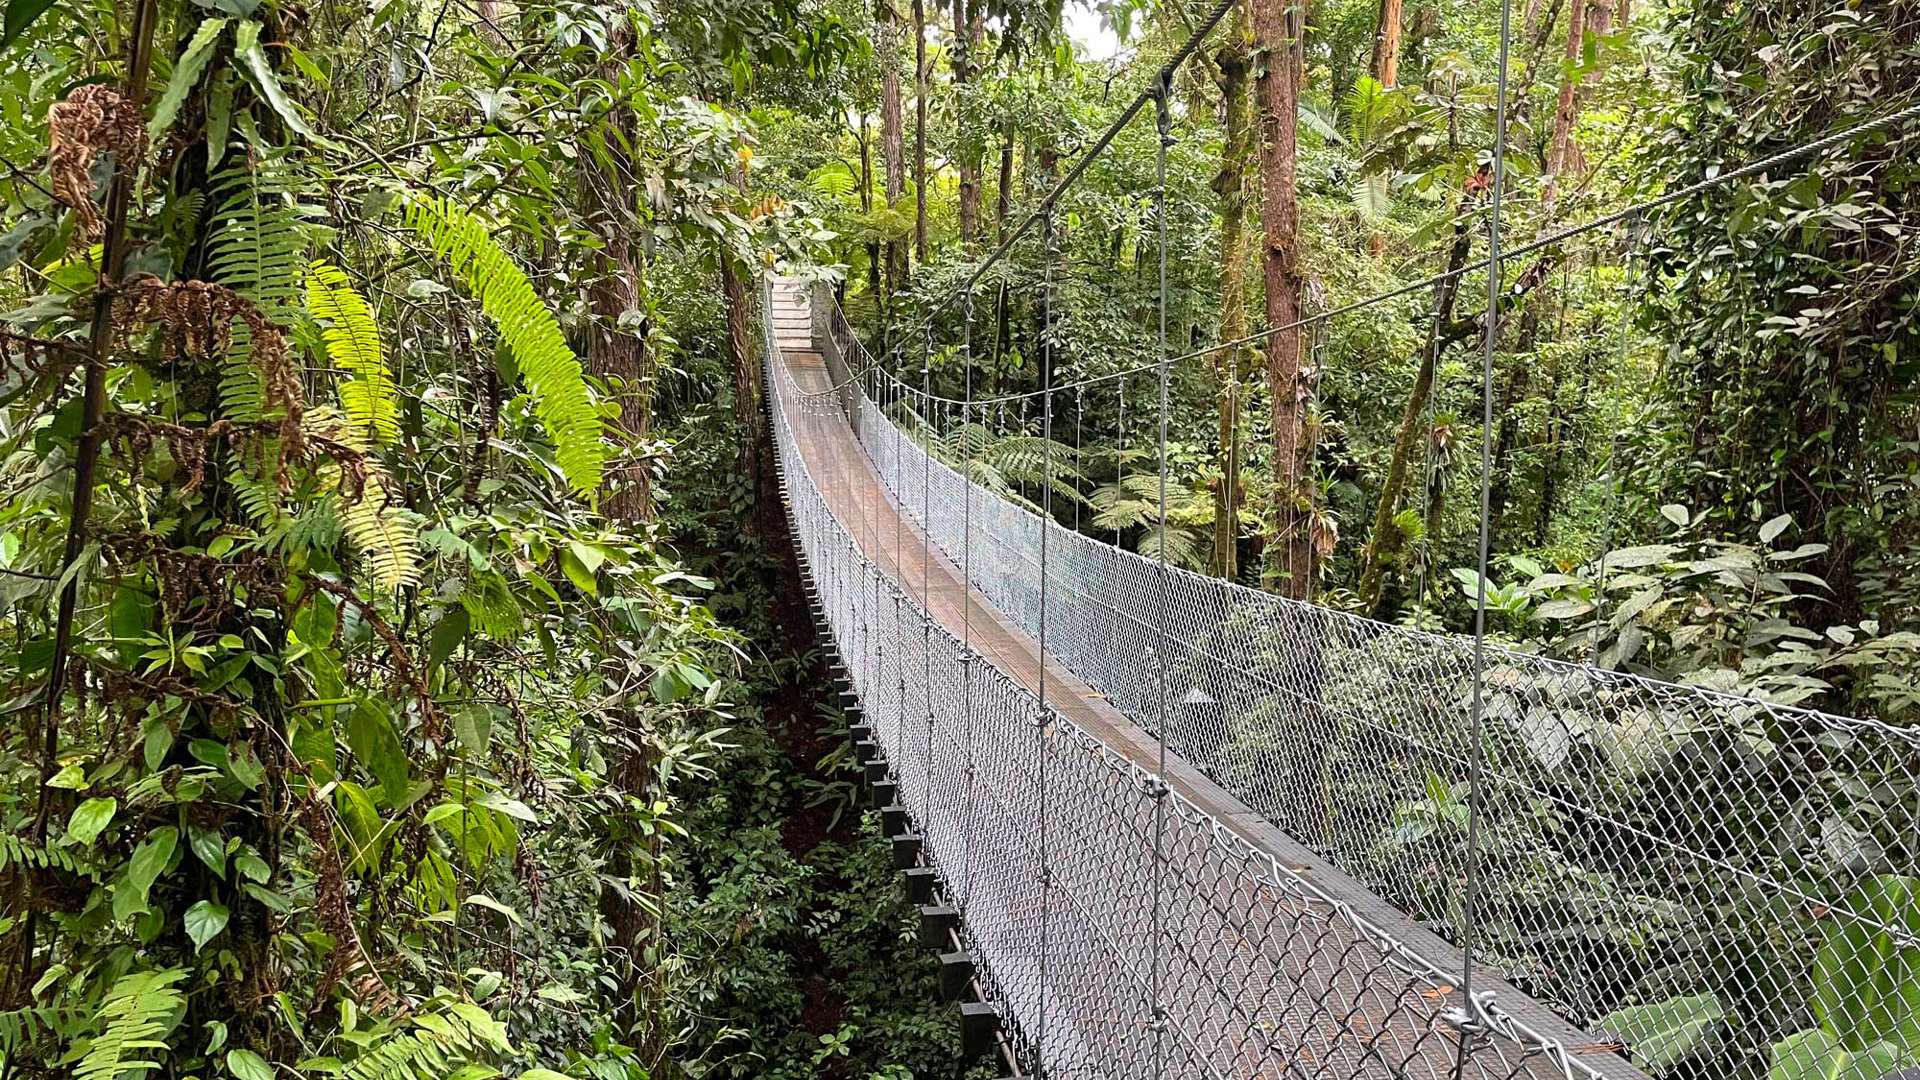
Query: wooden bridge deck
x,y
858,497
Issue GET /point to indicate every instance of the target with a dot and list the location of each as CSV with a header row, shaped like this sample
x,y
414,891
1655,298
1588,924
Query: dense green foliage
x,y
403,680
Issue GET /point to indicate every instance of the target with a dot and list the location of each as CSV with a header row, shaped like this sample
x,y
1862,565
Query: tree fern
x,y
552,371
139,1008
353,345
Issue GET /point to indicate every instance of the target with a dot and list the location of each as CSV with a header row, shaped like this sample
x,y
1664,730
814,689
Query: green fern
x,y
436,1045
383,534
258,250
15,849
552,371
139,1008
353,344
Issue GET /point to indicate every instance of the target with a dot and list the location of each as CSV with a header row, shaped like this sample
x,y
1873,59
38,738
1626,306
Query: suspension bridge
x,y
1172,826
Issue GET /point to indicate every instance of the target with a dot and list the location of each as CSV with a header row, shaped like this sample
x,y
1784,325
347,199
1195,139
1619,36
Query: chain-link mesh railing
x,y
1707,877
1258,972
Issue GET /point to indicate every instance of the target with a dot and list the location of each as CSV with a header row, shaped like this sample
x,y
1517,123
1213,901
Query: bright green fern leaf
x,y
353,344
383,534
138,1010
552,371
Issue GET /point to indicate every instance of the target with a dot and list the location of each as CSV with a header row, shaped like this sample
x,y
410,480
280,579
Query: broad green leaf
x,y
577,572
90,818
143,868
1866,980
186,72
210,847
1676,513
482,900
370,733
544,1074
248,1065
204,921
71,778
1774,528
1815,1054
1664,1033
473,726
246,47
251,866
21,15
448,633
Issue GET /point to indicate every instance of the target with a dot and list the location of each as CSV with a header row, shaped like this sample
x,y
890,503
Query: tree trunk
x,y
1386,542
1278,85
1566,112
756,452
1386,44
966,38
617,346
1004,203
920,130
865,138
893,155
1232,366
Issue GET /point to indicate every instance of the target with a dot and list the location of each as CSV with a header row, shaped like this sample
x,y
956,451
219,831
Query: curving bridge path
x,y
1122,927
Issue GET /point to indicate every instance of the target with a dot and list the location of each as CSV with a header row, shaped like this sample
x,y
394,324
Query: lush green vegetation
x,y
401,680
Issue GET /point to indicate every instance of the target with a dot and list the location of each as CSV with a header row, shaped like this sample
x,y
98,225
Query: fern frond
x,y
436,1045
381,532
384,536
553,373
138,1009
16,849
353,344
259,246
257,250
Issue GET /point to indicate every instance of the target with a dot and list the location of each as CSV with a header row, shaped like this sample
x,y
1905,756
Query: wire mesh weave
x,y
1261,974
1652,855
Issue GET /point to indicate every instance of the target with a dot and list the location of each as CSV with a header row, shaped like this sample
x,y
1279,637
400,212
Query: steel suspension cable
x,y
966,587
1042,720
1470,1019
928,432
1163,122
1549,240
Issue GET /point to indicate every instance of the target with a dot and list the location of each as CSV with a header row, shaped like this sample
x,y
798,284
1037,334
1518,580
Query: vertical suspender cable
x,y
966,588
1041,721
928,432
1470,1022
1163,117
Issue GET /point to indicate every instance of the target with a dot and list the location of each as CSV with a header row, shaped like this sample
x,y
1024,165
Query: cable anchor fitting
x,y
1476,1017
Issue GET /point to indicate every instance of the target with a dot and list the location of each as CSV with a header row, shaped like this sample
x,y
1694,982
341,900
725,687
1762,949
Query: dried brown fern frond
x,y
94,118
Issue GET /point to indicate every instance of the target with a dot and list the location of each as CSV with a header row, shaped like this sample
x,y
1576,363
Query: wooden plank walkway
x,y
859,499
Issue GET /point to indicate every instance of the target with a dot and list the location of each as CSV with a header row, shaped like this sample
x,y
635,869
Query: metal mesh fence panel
x,y
1653,855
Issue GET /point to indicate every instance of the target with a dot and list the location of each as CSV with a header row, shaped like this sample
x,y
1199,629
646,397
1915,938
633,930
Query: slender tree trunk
x,y
1278,87
1003,203
1232,366
1386,44
920,130
1387,542
966,38
893,156
617,346
865,138
1566,112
